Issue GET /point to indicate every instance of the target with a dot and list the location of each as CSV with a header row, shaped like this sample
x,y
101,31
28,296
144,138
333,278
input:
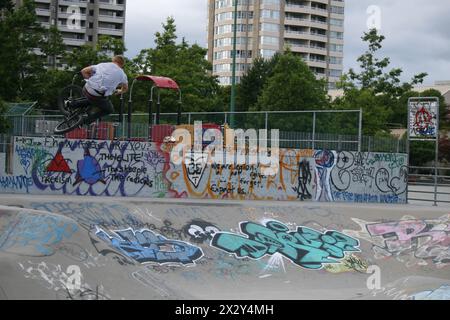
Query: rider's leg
x,y
105,107
79,103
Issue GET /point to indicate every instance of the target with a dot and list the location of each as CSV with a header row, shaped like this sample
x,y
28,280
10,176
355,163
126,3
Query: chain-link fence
x,y
299,130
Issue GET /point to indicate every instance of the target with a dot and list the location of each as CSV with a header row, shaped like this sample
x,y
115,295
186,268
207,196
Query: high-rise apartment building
x,y
312,29
82,21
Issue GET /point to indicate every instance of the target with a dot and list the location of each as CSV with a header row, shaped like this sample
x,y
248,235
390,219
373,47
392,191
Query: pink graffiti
x,y
404,234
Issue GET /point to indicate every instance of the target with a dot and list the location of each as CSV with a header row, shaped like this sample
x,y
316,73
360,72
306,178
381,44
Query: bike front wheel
x,y
68,95
69,124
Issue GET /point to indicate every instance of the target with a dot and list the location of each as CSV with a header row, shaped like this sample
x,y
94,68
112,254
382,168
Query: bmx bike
x,y
73,118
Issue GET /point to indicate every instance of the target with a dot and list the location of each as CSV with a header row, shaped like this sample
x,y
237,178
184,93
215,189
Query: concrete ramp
x,y
103,248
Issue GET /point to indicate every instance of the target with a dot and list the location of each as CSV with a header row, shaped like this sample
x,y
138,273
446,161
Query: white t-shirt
x,y
106,78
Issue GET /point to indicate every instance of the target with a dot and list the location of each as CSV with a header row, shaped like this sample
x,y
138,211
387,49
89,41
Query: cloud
x,y
417,31
144,18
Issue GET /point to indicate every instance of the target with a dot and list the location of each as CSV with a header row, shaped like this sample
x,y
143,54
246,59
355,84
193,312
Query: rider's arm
x,y
123,88
87,72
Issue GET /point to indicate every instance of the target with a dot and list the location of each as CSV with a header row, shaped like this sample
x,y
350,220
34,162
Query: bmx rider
x,y
102,81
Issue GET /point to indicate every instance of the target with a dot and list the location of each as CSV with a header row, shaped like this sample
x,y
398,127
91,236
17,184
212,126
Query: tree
x,y
20,35
53,45
373,75
184,63
4,124
253,82
292,86
378,91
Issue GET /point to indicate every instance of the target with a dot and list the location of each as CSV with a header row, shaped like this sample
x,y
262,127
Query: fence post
x,y
189,118
267,120
360,130
314,132
23,126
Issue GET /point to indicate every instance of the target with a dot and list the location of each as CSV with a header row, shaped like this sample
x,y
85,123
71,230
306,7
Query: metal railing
x,y
426,186
302,129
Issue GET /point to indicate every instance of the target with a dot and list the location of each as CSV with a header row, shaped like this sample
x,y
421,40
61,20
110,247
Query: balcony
x,y
112,5
74,42
110,32
110,18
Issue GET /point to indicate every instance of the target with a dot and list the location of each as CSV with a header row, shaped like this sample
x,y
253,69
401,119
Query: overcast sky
x,y
417,31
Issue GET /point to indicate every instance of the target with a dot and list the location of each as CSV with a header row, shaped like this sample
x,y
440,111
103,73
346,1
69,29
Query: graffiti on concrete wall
x,y
121,168
304,247
226,181
82,167
145,246
409,240
35,234
200,231
370,177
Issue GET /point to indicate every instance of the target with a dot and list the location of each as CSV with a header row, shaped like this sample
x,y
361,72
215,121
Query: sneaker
x,y
169,139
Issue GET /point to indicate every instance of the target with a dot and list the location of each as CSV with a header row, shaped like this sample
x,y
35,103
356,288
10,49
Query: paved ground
x,y
103,248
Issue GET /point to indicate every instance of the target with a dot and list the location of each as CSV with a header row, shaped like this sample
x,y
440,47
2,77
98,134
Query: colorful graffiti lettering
x,y
305,247
413,241
145,246
143,169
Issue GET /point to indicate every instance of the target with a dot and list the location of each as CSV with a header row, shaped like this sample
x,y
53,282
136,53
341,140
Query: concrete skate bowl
x,y
101,248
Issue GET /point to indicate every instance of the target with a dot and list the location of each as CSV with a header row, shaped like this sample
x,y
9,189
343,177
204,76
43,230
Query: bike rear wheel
x,y
69,124
66,96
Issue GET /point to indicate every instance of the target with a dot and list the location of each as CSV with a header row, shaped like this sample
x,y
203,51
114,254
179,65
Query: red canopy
x,y
160,82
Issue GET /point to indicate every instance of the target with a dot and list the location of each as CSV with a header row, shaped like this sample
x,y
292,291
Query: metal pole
x,y
233,77
360,129
267,121
158,108
150,114
408,137
436,158
314,132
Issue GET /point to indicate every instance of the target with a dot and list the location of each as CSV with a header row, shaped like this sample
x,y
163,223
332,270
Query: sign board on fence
x,y
423,119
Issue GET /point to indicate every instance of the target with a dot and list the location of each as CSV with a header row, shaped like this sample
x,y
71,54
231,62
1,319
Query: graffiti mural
x,y
34,234
143,169
423,119
410,240
369,177
200,231
145,246
304,247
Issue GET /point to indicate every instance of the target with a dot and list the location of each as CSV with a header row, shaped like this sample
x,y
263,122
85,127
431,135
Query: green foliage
x,y
4,124
377,90
21,66
24,76
253,81
184,63
292,86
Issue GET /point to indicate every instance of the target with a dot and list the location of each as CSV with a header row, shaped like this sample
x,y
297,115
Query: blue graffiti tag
x,y
37,232
305,247
145,246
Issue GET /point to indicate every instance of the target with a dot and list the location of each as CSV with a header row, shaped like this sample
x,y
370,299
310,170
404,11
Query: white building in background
x,y
312,29
82,21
